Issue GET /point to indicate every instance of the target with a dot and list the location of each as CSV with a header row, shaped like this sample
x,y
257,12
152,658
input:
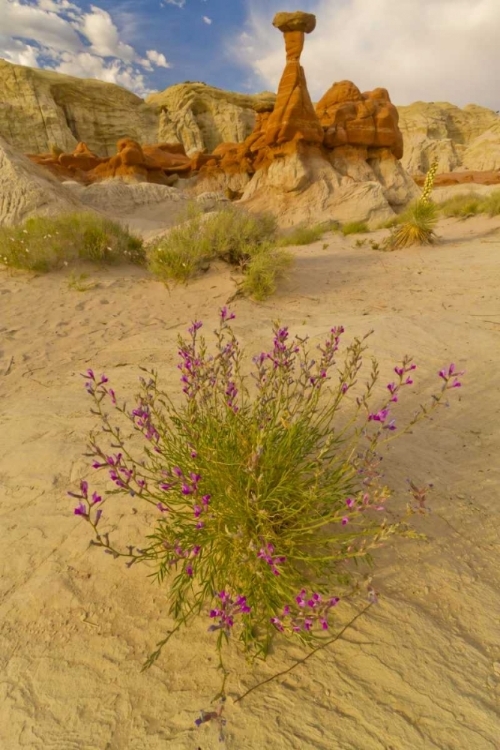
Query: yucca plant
x,y
418,221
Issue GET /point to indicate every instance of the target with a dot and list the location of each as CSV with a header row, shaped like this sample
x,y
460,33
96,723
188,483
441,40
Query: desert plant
x,y
303,235
417,223
429,182
263,491
491,203
416,228
44,243
264,267
239,238
354,227
462,206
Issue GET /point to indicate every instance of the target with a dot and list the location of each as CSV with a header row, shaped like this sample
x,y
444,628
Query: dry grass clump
x,y
464,205
245,240
306,235
354,227
44,243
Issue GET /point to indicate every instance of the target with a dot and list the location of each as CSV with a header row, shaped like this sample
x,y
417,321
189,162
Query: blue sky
x,y
430,50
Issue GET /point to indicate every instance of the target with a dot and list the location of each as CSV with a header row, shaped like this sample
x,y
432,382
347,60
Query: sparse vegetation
x,y
461,206
244,240
266,265
354,227
43,243
306,235
465,205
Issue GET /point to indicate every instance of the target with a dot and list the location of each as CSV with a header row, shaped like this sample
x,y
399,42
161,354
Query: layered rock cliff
x,y
201,117
39,108
460,139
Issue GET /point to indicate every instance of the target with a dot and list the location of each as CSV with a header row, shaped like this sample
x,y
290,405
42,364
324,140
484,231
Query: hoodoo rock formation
x,y
293,117
338,160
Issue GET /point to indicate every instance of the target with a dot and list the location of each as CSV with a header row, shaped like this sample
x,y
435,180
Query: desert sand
x,y
420,671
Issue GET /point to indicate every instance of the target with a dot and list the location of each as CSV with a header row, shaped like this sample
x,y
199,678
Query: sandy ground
x,y
421,671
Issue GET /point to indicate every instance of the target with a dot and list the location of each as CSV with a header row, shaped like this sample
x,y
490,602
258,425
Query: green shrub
x,y
232,235
354,227
44,243
265,266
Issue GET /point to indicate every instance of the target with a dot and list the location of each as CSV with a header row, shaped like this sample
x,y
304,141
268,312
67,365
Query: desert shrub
x,y
265,266
232,235
305,235
491,204
462,206
44,243
354,227
263,489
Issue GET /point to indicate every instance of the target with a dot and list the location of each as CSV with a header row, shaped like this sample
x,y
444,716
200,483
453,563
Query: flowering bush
x,y
264,488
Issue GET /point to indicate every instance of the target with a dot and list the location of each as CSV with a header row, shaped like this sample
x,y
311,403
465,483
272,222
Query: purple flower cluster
x,y
382,415
451,375
227,610
200,375
86,503
142,419
266,553
188,485
305,613
119,472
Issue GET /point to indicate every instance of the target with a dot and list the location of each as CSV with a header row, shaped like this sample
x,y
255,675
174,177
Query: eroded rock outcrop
x,y
39,108
201,117
460,139
28,190
132,162
351,118
339,160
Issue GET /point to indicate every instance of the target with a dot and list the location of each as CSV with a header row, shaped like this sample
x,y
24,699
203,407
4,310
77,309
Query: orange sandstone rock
x,y
293,117
367,120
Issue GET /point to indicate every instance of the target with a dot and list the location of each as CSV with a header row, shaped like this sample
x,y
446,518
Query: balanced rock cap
x,y
296,21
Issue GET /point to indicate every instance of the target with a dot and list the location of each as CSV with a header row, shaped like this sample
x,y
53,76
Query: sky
x,y
427,50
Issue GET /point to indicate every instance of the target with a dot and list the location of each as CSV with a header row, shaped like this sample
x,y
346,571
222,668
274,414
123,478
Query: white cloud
x,y
207,20
178,3
103,36
430,50
74,42
157,58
